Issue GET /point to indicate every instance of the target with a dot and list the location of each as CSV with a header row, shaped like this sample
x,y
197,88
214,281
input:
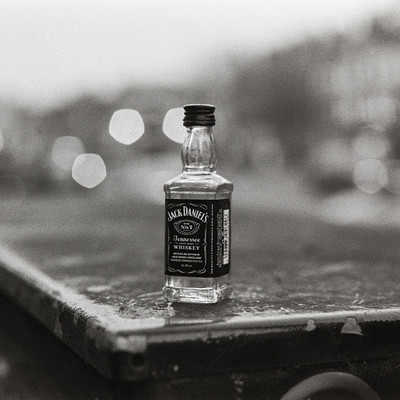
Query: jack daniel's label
x,y
197,237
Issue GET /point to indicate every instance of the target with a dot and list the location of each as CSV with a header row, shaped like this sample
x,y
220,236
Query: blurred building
x,y
318,106
361,81
328,102
360,87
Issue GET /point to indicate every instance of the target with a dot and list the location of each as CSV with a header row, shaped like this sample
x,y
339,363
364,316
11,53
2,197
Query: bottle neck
x,y
198,150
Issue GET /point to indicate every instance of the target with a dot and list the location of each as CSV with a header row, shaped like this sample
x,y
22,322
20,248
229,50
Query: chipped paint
x,y
77,315
351,327
127,343
358,299
310,325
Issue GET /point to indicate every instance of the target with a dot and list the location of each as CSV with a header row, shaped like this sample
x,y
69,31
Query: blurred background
x,y
307,96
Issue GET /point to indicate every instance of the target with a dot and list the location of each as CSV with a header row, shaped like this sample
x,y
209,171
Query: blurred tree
x,y
385,30
275,90
88,118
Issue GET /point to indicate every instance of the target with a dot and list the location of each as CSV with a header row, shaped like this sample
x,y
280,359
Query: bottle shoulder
x,y
199,185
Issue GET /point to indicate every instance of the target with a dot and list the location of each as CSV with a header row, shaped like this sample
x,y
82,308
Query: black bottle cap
x,y
199,115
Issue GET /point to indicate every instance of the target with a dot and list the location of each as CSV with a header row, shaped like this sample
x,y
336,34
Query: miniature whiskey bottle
x,y
198,218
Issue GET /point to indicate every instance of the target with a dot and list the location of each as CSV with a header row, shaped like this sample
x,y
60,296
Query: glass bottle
x,y
197,218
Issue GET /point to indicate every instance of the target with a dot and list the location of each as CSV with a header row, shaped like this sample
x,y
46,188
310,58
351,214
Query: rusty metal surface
x,y
304,292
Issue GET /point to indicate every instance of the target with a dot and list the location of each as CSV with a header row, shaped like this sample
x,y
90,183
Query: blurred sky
x,y
52,49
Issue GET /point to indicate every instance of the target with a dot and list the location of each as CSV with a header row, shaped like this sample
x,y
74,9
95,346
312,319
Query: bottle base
x,y
190,293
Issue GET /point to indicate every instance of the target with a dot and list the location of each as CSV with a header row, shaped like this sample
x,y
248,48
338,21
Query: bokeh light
x,y
89,170
126,126
172,125
65,150
393,172
370,175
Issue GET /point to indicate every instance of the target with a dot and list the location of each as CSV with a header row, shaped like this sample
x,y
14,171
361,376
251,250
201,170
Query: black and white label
x,y
197,237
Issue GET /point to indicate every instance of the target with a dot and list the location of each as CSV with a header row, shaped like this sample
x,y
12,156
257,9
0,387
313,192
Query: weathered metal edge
x,y
349,321
277,341
122,350
72,317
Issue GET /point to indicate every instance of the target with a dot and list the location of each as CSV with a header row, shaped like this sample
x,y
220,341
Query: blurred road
x,y
270,218
276,209
265,191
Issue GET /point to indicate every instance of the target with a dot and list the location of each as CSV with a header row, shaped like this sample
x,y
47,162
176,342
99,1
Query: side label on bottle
x,y
197,237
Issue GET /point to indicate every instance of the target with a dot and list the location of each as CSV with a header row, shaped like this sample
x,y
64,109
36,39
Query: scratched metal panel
x,y
304,292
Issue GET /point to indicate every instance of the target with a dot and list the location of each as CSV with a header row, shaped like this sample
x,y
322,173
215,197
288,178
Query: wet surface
x,y
131,280
122,266
114,272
